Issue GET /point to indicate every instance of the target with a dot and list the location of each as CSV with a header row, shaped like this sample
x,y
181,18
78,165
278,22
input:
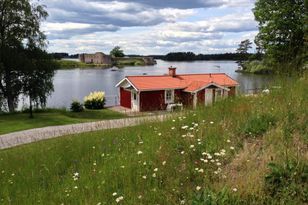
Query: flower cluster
x,y
97,95
96,100
75,176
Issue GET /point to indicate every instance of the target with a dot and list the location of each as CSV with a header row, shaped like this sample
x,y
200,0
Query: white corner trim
x,y
135,104
126,79
208,85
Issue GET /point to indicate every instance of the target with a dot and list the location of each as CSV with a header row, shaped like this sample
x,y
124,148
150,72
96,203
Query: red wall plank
x,y
201,97
125,98
232,91
152,100
187,99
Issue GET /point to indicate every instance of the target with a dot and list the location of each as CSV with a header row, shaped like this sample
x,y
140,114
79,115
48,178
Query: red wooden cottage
x,y
149,93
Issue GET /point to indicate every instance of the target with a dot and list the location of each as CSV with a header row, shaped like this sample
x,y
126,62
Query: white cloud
x,y
228,23
147,27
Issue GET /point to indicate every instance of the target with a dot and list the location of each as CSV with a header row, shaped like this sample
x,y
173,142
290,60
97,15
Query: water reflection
x,y
75,84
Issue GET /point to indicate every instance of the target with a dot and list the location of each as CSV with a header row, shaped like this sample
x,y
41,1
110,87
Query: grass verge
x,y
21,121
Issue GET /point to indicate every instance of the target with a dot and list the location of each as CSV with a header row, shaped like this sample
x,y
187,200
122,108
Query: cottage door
x,y
208,96
135,101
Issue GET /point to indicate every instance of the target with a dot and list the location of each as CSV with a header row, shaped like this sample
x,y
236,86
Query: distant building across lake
x,y
101,58
97,58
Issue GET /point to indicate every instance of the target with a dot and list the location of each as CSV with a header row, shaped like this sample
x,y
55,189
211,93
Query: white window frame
x,y
167,101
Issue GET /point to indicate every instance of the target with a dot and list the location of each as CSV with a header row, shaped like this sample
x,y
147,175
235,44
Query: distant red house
x,y
149,93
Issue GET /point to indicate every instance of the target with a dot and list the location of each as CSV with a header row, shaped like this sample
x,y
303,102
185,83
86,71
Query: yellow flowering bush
x,y
96,100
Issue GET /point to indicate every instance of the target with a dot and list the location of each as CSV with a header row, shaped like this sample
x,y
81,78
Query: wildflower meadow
x,y
214,155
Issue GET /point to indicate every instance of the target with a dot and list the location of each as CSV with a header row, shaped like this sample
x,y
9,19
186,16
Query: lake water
x,y
76,83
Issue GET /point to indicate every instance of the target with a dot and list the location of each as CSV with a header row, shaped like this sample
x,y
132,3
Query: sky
x,y
148,27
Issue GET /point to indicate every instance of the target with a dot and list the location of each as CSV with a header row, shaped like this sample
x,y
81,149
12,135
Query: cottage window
x,y
169,96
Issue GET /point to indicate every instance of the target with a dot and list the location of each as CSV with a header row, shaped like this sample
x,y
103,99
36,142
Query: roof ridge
x,y
166,75
204,74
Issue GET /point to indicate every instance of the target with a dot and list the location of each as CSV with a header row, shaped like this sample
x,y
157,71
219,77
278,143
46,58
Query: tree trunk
x,y
9,95
10,103
31,107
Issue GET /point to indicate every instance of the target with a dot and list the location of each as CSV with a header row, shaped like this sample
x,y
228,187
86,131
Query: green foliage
x,y
256,67
244,46
190,56
281,32
94,104
117,52
242,50
257,125
222,197
180,56
23,61
129,62
288,181
76,106
37,77
67,64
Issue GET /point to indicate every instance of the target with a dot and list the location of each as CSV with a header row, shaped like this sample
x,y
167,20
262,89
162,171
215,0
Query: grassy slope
x,y
268,128
129,62
21,121
76,64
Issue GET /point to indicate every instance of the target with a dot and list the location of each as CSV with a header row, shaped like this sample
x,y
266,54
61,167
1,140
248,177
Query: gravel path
x,y
28,136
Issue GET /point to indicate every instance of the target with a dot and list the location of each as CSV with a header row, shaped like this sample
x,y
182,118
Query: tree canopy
x,y
190,56
244,46
242,50
281,31
25,67
117,52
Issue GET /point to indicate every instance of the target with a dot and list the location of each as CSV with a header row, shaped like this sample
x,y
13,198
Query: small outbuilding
x,y
151,93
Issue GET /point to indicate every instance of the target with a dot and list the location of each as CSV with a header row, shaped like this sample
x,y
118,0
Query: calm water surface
x,y
75,84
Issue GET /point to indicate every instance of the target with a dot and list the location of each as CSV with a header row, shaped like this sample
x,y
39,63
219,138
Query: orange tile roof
x,y
189,82
195,85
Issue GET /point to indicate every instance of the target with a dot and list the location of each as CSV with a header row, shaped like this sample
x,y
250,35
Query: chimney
x,y
172,71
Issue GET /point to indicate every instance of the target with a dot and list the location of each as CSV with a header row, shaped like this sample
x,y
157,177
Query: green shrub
x,y
288,182
76,106
258,125
95,101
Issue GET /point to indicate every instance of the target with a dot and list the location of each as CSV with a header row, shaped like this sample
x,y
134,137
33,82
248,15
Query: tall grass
x,y
213,155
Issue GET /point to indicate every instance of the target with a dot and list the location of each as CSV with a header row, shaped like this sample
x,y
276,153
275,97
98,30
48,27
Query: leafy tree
x,y
117,52
180,56
242,50
281,31
244,46
259,49
37,77
21,46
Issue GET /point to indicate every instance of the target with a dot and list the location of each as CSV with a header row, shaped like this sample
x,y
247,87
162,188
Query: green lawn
x,y
246,150
21,121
